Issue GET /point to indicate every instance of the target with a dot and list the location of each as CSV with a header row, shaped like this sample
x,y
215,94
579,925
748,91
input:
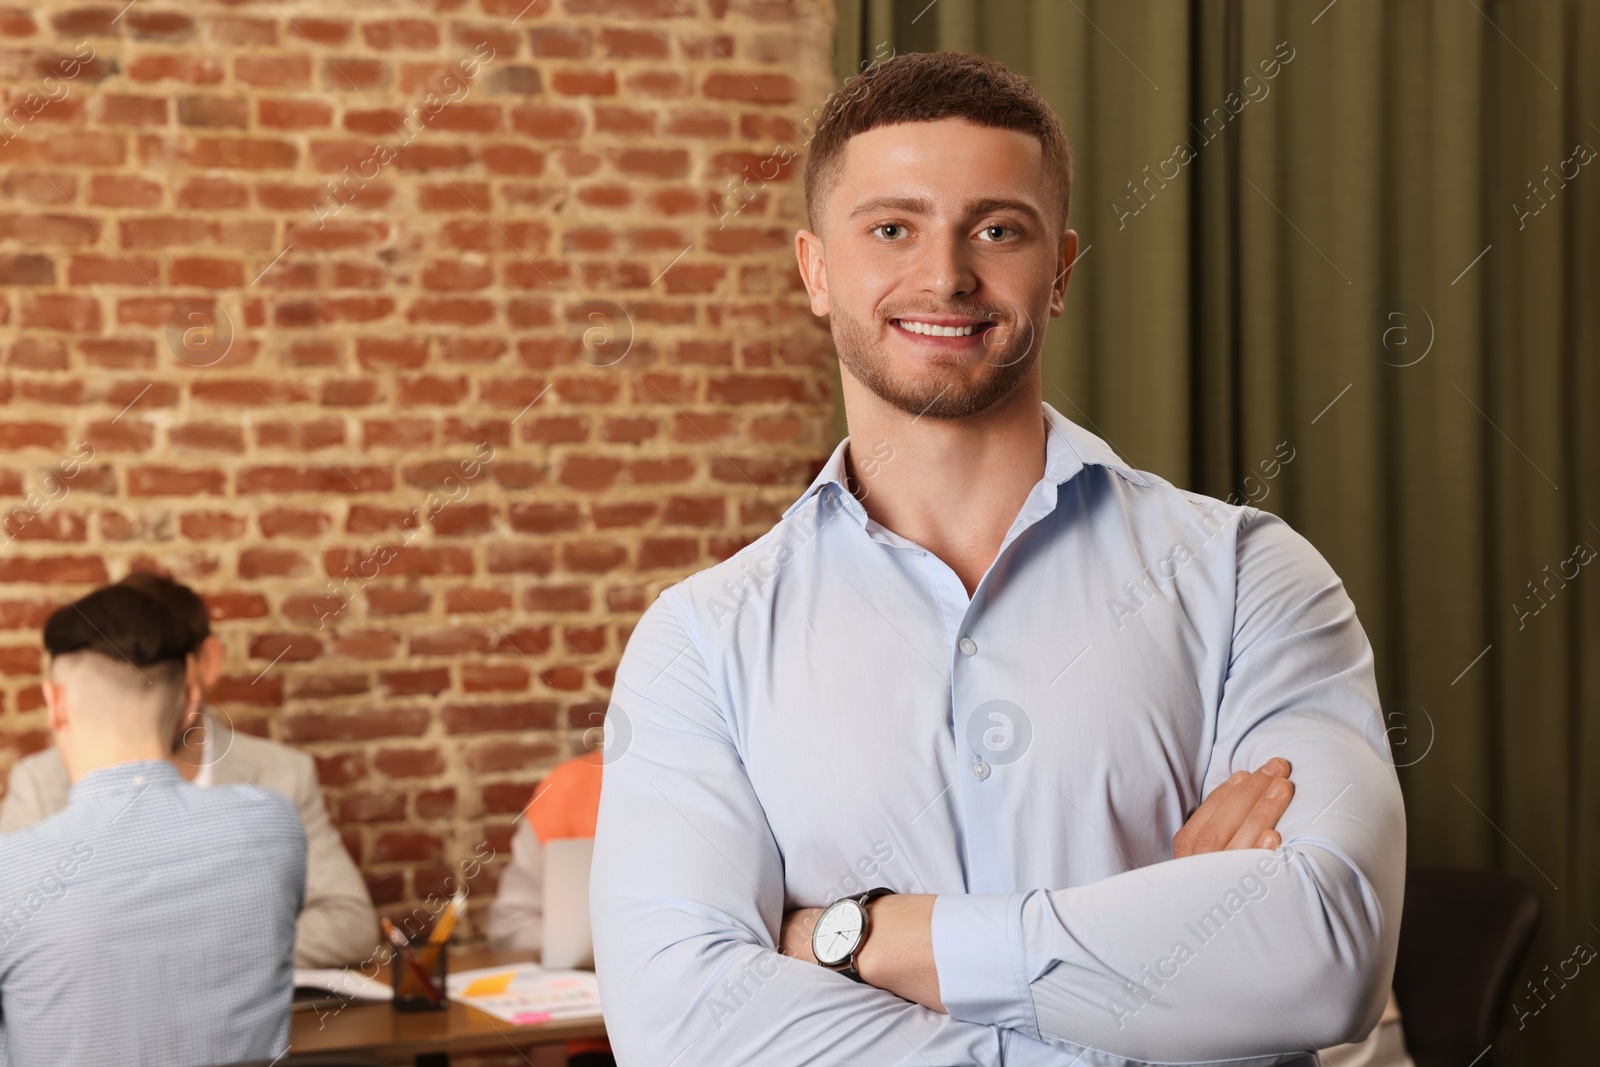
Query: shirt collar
x,y
1068,449
121,777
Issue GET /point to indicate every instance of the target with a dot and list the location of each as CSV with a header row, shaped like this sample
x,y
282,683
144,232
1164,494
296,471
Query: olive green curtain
x,y
1366,298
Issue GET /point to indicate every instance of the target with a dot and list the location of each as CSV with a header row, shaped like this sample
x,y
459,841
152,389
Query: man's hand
x,y
1240,813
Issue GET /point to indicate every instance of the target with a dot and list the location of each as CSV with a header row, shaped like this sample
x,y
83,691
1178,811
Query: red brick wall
x,y
278,321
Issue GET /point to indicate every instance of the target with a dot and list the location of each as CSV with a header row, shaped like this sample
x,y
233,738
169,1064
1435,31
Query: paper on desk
x,y
527,993
344,982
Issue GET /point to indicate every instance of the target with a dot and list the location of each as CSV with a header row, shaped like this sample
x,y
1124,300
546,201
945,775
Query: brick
x,y
340,768
370,807
558,598
544,518
347,478
273,70
580,82
427,681
695,511
38,353
61,311
611,515
488,718
452,642
492,677
754,88
548,123
391,601
52,524
409,34
161,480
434,804
409,762
122,109
361,726
504,798
329,686
212,193
27,270
244,31
207,437
520,558
507,755
593,557
294,113
523,641
626,43
584,640
272,562
563,42
394,846
229,112
478,601
658,553
321,31
155,25
172,66
62,570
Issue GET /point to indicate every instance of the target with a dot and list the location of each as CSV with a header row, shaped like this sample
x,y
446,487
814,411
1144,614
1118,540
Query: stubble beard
x,y
943,392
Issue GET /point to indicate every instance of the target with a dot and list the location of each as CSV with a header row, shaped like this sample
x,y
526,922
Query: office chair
x,y
1463,934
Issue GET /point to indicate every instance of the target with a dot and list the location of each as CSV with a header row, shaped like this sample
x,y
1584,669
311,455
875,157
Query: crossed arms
x,y
1283,949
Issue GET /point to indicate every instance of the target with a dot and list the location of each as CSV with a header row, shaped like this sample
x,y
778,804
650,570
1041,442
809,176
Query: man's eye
x,y
886,227
1003,230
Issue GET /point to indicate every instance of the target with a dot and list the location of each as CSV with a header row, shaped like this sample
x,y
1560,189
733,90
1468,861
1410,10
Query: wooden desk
x,y
373,1028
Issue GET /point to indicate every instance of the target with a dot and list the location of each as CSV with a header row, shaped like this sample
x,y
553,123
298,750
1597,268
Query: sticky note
x,y
490,985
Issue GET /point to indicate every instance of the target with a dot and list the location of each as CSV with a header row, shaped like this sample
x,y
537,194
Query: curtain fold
x,y
1342,261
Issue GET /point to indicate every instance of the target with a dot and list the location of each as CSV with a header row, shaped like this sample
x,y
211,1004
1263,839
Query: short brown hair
x,y
183,603
926,87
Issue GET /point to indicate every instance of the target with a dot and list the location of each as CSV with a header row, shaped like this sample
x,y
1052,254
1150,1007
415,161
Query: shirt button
x,y
968,646
980,769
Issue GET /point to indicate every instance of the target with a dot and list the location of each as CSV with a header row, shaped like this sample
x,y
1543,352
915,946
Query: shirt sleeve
x,y
687,898
338,924
1229,954
516,916
25,802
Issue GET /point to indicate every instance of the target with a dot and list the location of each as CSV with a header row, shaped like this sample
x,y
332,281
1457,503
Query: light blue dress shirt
x,y
150,922
827,711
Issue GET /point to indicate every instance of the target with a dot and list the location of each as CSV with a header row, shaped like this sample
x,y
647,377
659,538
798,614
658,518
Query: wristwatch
x,y
841,930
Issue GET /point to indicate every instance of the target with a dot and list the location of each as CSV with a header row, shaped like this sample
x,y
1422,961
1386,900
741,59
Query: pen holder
x,y
419,973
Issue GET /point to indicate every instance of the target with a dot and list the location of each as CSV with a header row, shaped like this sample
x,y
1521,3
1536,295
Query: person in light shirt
x,y
564,805
1107,752
338,925
148,921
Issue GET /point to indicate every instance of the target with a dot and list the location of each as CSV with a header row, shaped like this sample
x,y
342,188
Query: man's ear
x,y
813,270
55,702
210,661
1069,256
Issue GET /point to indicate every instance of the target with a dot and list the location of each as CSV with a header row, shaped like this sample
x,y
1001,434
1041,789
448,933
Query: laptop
x,y
567,941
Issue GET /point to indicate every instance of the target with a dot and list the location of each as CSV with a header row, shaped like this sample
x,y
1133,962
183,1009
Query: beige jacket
x,y
337,923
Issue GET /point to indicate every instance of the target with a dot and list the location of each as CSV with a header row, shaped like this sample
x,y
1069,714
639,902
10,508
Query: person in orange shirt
x,y
566,804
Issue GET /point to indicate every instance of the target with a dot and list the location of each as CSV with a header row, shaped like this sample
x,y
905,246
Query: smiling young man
x,y
995,672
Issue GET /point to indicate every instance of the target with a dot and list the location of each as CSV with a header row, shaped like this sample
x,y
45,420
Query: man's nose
x,y
944,267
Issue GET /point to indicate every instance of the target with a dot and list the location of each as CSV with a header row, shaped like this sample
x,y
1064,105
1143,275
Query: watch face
x,y
838,932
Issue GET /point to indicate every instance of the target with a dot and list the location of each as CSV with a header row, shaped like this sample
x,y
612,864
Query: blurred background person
x,y
147,921
338,924
565,805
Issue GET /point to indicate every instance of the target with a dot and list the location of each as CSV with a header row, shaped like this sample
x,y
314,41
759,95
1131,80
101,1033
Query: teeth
x,y
930,330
